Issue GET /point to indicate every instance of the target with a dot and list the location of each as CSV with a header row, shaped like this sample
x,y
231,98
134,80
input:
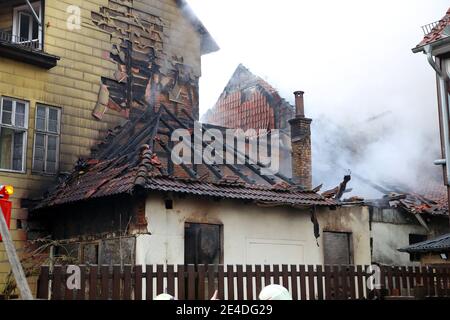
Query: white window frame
x,y
24,9
16,128
47,133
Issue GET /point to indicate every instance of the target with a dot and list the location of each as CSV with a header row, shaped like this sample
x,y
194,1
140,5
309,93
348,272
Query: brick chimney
x,y
301,144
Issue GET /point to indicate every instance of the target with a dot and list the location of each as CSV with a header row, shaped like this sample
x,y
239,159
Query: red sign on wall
x,y
6,209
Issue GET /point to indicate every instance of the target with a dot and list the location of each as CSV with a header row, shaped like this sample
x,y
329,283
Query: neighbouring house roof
x,y
208,44
439,244
249,102
137,156
430,198
437,32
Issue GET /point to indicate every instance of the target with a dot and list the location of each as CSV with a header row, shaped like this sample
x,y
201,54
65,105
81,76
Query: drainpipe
x,y
443,76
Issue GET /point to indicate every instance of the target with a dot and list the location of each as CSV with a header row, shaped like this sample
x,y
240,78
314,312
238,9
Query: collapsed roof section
x,y
137,155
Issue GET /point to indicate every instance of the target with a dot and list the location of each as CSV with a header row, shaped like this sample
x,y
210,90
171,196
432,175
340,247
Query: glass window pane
x,y
40,112
40,124
39,153
20,107
40,118
6,148
52,142
52,120
39,140
53,114
7,112
18,151
20,114
7,105
53,126
35,31
7,117
39,146
38,165
51,167
24,27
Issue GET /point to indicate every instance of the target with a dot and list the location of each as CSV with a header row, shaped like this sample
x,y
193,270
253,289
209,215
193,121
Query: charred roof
x,y
137,155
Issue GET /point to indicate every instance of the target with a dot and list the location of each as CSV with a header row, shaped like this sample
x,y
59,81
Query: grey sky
x,y
352,58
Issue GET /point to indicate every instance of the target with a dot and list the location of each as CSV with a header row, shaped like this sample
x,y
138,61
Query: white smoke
x,y
353,59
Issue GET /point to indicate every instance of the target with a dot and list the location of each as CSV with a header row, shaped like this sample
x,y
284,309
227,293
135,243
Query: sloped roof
x,y
439,244
249,102
137,156
429,198
436,33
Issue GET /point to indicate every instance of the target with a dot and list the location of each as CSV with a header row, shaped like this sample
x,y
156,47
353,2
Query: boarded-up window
x,y
337,248
202,243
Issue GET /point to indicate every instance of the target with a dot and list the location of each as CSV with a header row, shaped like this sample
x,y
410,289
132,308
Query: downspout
x,y
444,96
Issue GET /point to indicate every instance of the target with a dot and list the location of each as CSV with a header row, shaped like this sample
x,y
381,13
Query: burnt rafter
x,y
255,168
211,167
141,137
188,170
233,168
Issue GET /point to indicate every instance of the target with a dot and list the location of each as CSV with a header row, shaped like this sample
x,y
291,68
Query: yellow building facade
x,y
84,67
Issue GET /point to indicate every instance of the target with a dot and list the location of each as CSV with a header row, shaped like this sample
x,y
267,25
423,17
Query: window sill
x,y
44,174
23,54
12,171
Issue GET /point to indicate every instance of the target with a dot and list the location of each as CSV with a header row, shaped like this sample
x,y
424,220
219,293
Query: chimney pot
x,y
299,104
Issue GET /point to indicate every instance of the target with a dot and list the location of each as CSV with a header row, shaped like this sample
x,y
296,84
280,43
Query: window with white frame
x,y
26,30
46,139
13,134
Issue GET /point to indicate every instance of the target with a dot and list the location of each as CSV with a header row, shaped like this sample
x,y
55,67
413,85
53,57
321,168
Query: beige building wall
x,y
73,86
251,234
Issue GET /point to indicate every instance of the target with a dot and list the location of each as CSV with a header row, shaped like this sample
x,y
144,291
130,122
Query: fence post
x,y
137,282
240,282
191,282
93,282
43,282
294,285
249,280
201,283
230,282
181,282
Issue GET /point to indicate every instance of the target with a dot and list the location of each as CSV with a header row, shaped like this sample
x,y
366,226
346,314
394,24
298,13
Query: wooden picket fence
x,y
190,282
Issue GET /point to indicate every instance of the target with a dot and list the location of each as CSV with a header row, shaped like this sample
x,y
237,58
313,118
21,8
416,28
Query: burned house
x,y
403,217
130,202
249,102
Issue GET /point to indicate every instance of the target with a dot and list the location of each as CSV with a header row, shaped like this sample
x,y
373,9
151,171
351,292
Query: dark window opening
x,y
169,204
415,238
337,248
202,243
90,253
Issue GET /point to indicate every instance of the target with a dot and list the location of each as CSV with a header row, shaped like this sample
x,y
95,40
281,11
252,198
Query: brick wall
x,y
301,151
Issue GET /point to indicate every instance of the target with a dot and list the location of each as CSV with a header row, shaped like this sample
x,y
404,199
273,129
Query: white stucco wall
x,y
388,237
252,234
